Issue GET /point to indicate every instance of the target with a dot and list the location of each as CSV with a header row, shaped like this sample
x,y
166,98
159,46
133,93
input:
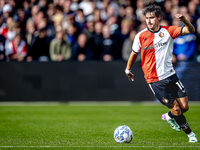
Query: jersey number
x,y
180,85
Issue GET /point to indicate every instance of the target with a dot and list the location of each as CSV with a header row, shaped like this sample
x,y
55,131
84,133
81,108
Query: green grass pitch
x,y
91,127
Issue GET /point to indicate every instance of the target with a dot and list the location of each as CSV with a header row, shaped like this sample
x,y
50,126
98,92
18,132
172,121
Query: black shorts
x,y
167,90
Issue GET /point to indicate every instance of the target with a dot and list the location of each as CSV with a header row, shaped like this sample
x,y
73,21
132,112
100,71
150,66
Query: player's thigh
x,y
183,102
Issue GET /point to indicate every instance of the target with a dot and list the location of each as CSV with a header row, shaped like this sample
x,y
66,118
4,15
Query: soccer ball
x,y
123,134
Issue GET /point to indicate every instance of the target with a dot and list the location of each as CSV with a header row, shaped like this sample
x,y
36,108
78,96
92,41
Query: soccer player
x,y
156,45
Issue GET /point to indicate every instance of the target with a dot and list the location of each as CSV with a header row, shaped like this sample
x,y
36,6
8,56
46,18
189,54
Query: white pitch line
x,y
179,146
94,146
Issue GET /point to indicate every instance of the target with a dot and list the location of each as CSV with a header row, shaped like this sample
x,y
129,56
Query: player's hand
x,y
130,76
180,17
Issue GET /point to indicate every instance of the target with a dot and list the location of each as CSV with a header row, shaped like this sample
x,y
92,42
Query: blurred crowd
x,y
60,30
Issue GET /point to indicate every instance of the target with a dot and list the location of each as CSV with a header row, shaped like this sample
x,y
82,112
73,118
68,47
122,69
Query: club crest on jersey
x,y
161,34
165,100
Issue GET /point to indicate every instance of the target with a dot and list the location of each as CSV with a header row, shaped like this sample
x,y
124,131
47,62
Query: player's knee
x,y
186,108
177,110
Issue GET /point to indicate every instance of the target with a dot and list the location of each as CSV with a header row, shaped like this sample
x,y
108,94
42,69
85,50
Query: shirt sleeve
x,y
136,44
175,31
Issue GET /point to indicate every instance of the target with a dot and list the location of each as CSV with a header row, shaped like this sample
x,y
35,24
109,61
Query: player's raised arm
x,y
188,28
129,65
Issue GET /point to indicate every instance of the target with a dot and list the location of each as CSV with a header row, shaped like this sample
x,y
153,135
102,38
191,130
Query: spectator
x,y
110,11
8,31
89,28
123,34
97,39
57,21
2,3
59,48
110,50
22,18
140,6
27,8
72,34
125,3
33,2
50,23
129,13
59,9
51,12
127,46
97,16
112,22
40,48
7,10
74,5
17,28
30,37
60,3
122,14
39,16
81,50
192,9
80,19
66,8
34,11
68,20
16,50
184,46
43,5
86,6
2,47
167,11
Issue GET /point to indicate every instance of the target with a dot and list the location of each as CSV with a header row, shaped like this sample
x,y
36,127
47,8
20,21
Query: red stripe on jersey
x,y
4,32
14,49
148,56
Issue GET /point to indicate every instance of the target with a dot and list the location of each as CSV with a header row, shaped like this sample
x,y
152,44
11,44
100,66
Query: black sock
x,y
181,120
170,114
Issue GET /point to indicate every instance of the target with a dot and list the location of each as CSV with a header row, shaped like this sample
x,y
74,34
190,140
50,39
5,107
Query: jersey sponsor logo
x,y
154,46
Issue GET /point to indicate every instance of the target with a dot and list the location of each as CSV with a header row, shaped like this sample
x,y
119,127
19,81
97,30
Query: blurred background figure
x,y
80,19
30,35
40,47
9,31
72,34
123,34
110,49
86,6
7,11
184,46
82,50
97,39
127,46
89,28
60,49
16,50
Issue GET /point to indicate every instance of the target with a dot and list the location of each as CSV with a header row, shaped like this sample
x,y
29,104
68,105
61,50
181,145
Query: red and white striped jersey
x,y
7,33
11,49
156,51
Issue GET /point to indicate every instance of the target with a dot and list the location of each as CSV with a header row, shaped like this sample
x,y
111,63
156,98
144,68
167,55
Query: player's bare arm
x,y
130,63
188,28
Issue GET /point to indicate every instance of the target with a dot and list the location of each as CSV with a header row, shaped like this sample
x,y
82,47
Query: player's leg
x,y
169,117
176,113
183,102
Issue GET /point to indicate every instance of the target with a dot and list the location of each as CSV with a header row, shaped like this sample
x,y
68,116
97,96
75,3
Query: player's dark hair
x,y
152,8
